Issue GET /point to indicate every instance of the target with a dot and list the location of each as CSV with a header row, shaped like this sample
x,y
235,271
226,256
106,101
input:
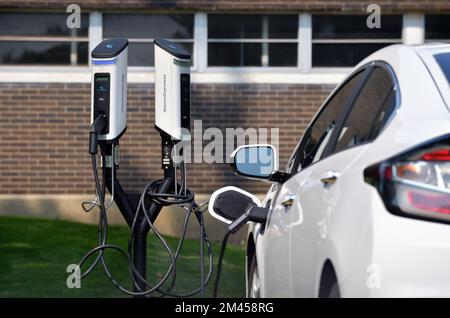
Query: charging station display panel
x,y
185,101
101,96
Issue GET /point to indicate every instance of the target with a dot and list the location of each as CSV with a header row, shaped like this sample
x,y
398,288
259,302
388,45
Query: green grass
x,y
35,253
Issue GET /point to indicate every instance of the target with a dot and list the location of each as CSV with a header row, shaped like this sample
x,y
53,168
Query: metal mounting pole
x,y
127,204
140,237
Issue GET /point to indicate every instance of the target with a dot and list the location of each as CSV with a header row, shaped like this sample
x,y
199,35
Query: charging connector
x,y
96,127
253,214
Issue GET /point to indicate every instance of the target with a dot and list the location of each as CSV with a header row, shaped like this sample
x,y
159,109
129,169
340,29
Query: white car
x,y
363,209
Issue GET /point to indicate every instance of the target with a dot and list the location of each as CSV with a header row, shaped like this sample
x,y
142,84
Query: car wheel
x,y
254,284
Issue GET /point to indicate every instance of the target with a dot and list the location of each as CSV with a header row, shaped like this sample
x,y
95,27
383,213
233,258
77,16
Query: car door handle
x,y
329,177
288,200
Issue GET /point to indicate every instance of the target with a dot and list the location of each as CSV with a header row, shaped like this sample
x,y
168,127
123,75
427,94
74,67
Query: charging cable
x,y
253,214
184,197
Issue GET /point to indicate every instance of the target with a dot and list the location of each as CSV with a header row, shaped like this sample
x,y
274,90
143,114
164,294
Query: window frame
x,y
299,152
371,138
143,68
400,40
348,106
73,55
201,73
333,141
263,41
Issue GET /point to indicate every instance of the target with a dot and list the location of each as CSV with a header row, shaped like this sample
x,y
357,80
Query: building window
x,y
141,29
252,40
437,28
42,39
345,40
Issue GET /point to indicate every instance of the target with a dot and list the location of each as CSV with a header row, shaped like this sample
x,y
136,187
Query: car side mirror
x,y
229,203
257,162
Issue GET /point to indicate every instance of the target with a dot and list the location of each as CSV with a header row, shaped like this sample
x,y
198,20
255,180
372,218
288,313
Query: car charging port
x,y
253,214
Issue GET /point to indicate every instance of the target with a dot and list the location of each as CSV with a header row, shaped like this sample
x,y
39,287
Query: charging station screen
x,y
101,83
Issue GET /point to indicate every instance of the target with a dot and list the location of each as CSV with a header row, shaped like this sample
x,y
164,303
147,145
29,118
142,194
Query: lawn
x,y
35,253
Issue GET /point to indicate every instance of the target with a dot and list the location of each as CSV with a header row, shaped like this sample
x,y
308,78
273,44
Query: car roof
x,y
422,113
434,56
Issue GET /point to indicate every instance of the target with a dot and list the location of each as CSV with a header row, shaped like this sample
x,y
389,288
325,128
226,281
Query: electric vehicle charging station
x,y
109,87
140,210
172,90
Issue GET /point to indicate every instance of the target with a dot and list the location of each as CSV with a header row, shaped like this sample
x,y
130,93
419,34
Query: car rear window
x,y
443,59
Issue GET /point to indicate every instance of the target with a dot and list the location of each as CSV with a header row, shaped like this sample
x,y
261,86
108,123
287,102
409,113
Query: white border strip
x,y
83,75
304,49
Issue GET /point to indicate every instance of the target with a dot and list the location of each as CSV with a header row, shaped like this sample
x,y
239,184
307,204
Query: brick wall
x,y
237,5
44,133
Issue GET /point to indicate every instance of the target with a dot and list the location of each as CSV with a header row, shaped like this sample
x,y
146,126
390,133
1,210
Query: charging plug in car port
x,y
254,214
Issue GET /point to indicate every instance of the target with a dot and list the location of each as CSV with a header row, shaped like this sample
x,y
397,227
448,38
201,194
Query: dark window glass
x,y
443,60
229,40
384,113
367,110
250,26
236,26
142,54
292,158
234,54
335,38
40,24
31,38
148,26
140,27
355,27
321,130
437,27
283,26
57,53
283,54
342,54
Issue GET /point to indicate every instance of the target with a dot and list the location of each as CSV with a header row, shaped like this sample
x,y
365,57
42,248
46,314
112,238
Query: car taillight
x,y
416,183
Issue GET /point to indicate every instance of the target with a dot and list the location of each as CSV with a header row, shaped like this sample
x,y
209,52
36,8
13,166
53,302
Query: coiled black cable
x,y
105,246
180,199
163,199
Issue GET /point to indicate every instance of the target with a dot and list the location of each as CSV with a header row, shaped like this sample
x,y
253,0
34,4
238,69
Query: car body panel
x,y
427,54
276,271
373,252
322,203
